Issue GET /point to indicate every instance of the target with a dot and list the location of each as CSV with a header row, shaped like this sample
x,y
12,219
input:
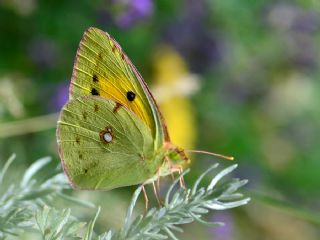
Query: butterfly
x,y
111,132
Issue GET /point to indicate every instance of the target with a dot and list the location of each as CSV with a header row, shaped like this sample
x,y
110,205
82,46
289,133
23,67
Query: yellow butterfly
x,y
111,132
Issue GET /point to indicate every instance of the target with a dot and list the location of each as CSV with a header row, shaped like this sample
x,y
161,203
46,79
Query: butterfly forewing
x,y
103,149
102,68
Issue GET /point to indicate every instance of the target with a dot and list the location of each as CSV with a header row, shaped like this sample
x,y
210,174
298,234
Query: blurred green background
x,y
244,80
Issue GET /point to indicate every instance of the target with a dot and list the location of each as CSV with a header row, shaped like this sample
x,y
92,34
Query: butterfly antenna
x,y
211,153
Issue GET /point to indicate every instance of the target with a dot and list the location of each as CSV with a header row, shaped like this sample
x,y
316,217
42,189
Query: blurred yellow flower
x,y
173,84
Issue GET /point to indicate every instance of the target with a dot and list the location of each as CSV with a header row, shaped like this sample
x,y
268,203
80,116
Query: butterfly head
x,y
174,159
176,154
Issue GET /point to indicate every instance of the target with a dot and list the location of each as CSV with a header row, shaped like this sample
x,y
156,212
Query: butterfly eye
x,y
131,96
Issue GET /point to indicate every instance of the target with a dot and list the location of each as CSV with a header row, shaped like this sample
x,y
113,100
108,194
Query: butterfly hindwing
x,y
103,145
102,68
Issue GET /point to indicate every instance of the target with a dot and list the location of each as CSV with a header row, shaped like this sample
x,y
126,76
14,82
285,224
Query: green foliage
x,y
27,206
55,225
20,200
183,206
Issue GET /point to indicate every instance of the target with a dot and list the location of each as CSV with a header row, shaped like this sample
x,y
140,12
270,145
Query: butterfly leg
x,y
156,193
158,180
158,185
175,168
183,183
181,179
170,166
178,168
146,200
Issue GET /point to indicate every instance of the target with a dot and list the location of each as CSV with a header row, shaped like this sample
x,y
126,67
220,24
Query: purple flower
x,y
43,53
199,45
291,17
133,12
307,21
104,17
297,27
225,232
60,97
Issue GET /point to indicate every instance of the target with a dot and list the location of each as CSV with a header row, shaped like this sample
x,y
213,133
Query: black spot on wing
x,y
96,108
131,96
114,48
95,78
116,107
94,92
85,115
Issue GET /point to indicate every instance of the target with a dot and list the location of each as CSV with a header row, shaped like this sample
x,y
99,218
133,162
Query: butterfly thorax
x,y
171,159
